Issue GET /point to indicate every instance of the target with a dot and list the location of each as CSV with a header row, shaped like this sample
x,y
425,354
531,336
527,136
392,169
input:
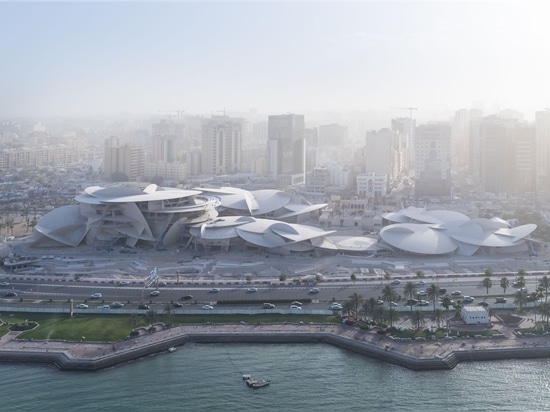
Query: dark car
x,y
144,306
178,305
484,304
411,302
187,297
500,299
442,291
10,294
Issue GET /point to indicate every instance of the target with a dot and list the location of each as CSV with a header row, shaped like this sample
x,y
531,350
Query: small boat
x,y
172,349
255,384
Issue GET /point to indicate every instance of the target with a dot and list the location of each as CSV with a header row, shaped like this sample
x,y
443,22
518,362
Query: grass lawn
x,y
111,328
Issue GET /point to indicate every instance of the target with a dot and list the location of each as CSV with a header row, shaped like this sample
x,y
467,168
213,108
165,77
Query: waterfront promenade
x,y
415,355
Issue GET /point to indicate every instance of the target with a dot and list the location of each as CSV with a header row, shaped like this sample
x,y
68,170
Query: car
x,y
379,302
296,303
314,290
155,293
4,284
456,293
393,304
517,283
484,304
335,306
251,290
500,299
411,302
420,283
442,291
103,307
178,305
467,299
268,306
123,283
144,306
395,282
421,293
207,307
81,306
117,305
422,303
10,294
96,295
214,290
187,297
161,284
295,307
523,290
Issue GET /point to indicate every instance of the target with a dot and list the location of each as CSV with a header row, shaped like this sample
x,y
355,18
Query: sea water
x,y
304,377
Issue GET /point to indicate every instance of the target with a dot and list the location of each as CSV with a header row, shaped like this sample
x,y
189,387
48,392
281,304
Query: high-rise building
x,y
286,149
221,145
165,148
125,159
542,125
384,152
406,126
433,160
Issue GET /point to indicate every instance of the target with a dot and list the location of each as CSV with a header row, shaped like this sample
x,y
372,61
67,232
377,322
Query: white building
x,y
474,315
371,185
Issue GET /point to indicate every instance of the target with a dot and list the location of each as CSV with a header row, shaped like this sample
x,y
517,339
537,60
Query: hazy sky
x,y
81,58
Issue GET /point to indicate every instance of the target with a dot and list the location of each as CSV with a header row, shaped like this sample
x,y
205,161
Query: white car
x,y
214,290
4,284
81,306
335,306
155,293
96,295
314,290
295,307
123,283
207,307
103,307
251,290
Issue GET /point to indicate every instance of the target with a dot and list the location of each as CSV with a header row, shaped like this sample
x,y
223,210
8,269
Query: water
x,y
304,378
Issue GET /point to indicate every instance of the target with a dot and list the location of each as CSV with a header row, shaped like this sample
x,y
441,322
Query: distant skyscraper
x,y
221,145
332,135
124,159
542,124
433,160
286,149
165,148
406,127
383,153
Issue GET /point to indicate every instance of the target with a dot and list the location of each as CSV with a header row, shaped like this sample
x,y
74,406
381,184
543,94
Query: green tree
x,y
420,274
410,290
368,307
520,281
432,292
151,316
519,299
437,317
446,302
347,307
504,283
487,283
544,283
544,310
418,319
389,294
168,312
356,301
282,277
353,277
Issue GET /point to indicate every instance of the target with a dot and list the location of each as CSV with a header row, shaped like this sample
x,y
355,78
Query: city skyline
x,y
78,59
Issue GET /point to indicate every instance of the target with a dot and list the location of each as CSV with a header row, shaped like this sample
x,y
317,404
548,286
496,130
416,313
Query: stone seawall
x,y
79,356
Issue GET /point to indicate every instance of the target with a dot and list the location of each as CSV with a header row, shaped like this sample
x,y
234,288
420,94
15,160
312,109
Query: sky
x,y
81,58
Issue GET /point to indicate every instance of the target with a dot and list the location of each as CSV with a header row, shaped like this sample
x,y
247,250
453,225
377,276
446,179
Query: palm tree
x,y
417,318
446,302
378,314
432,291
458,307
389,294
410,290
487,283
356,300
544,283
437,315
519,299
544,310
168,312
520,281
151,315
369,305
504,283
348,307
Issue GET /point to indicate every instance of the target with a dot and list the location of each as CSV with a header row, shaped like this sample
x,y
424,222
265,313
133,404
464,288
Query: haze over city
x,y
79,59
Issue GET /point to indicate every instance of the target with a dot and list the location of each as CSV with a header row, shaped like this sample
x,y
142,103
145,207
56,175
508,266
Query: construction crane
x,y
410,109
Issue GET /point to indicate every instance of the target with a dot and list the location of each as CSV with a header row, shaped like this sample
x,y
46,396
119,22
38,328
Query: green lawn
x,y
111,328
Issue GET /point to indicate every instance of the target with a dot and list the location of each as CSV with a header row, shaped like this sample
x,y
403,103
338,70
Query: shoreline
x,y
414,355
